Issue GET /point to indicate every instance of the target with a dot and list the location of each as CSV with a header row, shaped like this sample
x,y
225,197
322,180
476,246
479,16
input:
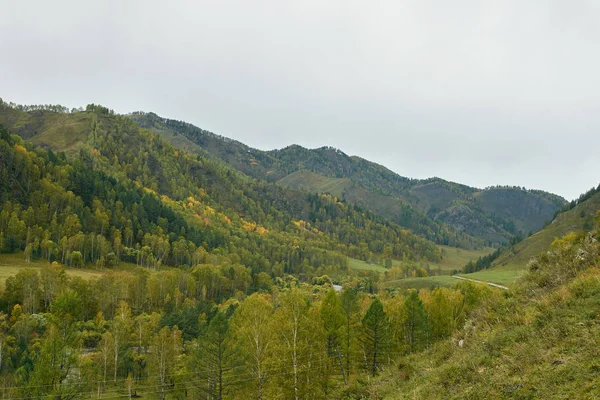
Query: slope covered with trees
x,y
446,212
128,195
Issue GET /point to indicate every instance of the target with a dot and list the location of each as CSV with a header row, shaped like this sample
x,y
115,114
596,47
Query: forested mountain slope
x,y
446,212
122,192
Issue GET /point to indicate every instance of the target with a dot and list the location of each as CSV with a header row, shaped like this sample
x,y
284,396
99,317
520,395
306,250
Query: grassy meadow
x,y
421,283
503,276
453,259
11,264
361,265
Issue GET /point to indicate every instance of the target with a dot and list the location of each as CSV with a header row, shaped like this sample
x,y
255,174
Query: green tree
x,y
349,299
445,309
107,348
121,328
291,320
416,325
162,358
376,335
67,306
54,366
252,326
24,288
212,358
334,322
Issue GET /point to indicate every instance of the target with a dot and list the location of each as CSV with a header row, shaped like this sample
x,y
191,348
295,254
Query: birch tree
x,y
252,324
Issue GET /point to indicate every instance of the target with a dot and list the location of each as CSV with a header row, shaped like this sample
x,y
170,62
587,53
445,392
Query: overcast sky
x,y
478,92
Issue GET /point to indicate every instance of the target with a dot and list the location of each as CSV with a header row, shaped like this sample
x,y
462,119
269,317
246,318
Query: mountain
x,y
72,180
442,211
203,281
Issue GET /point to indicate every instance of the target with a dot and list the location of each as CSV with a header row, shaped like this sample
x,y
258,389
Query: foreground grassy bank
x,y
538,340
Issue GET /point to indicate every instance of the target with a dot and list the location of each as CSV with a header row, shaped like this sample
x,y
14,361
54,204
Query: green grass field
x,y
571,221
365,266
502,275
421,283
11,264
313,182
455,258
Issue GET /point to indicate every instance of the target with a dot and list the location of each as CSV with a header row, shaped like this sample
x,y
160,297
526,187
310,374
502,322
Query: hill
x,y
442,211
128,195
578,219
537,340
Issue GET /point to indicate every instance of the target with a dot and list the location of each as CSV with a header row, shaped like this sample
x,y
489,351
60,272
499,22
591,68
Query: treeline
x,y
151,120
582,197
57,108
196,334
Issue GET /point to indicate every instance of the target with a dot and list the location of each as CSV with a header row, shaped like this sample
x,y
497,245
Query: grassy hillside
x,y
421,283
66,132
578,219
454,258
446,212
537,341
361,265
312,182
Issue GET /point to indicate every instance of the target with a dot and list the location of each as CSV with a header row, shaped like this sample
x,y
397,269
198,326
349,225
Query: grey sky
x,y
478,92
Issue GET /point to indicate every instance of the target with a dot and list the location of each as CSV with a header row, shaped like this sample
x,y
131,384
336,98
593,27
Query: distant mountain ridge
x,y
442,211
438,210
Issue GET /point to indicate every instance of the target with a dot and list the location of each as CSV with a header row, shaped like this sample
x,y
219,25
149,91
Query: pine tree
x,y
416,326
212,359
376,335
349,299
334,322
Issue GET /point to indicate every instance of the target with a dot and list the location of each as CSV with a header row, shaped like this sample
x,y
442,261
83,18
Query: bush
x,y
76,259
